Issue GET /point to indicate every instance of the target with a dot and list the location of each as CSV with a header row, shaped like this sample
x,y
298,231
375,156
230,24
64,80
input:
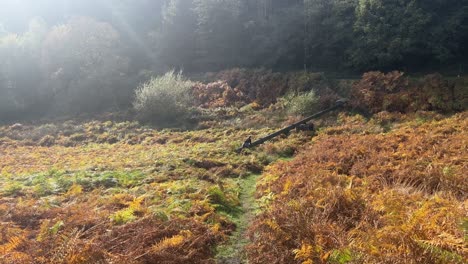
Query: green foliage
x,y
164,99
94,63
12,189
277,38
304,104
74,67
386,31
56,227
221,33
392,33
174,42
328,29
341,256
123,216
221,201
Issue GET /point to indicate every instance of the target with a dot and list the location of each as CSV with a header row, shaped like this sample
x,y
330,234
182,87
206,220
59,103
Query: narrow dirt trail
x,y
233,251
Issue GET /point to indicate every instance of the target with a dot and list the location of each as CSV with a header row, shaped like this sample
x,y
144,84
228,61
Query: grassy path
x,y
233,251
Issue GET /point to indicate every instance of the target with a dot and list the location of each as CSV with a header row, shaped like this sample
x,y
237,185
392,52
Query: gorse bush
x,y
304,104
163,99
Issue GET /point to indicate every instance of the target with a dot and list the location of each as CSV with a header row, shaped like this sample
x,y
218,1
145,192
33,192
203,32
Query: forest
x,y
126,129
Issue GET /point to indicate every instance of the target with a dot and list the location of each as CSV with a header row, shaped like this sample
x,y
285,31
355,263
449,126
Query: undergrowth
x,y
360,194
110,192
390,188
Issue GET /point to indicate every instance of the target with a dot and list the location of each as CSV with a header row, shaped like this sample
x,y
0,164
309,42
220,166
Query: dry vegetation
x,y
394,92
389,189
358,195
262,87
105,192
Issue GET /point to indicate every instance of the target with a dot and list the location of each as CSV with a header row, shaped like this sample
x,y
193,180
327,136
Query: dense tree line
x,y
85,55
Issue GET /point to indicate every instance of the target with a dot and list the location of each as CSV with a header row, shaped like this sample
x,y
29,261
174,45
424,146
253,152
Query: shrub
x,y
304,104
377,91
217,94
442,94
163,99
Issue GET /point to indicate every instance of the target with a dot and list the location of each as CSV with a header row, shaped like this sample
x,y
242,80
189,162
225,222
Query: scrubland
x,y
103,191
382,181
357,194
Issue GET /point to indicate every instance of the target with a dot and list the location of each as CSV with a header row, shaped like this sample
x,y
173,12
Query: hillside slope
x,y
391,190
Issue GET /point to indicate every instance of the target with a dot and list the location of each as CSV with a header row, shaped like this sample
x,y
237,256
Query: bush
x,y
163,99
378,91
304,104
217,94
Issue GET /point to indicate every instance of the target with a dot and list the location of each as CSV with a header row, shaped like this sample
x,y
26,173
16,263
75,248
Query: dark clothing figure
x,y
247,143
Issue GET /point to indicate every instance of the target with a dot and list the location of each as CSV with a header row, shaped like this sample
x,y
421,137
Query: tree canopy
x,y
200,35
